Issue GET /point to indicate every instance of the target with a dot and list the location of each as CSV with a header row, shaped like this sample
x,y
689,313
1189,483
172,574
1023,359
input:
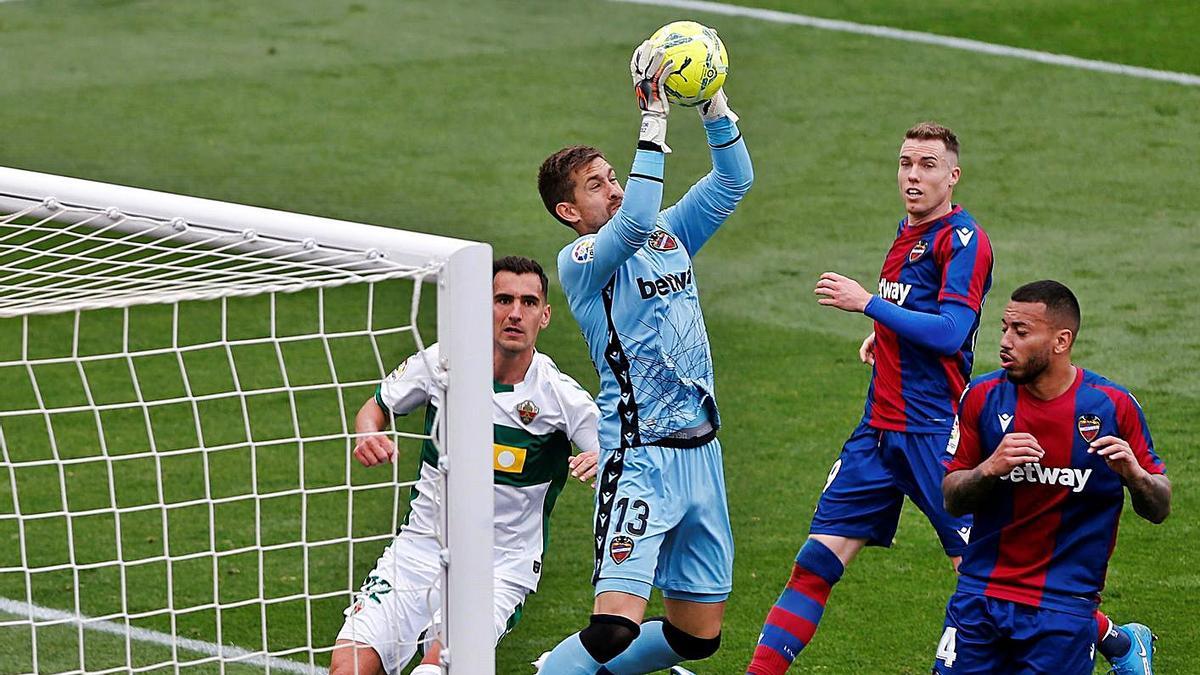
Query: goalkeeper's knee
x,y
690,647
607,635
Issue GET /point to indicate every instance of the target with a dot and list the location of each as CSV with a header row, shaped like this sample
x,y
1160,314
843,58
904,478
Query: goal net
x,y
178,384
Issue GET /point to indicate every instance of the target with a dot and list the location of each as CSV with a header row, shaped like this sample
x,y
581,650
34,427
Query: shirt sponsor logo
x,y
917,251
1089,426
661,240
665,285
584,251
894,291
526,410
1070,477
508,459
620,548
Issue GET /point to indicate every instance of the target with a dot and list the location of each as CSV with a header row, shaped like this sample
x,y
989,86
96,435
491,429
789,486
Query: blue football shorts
x,y
868,482
984,635
662,520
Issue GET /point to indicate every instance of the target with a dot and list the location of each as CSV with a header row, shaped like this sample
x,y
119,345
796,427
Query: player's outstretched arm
x,y
965,491
944,332
696,217
373,447
586,265
1149,492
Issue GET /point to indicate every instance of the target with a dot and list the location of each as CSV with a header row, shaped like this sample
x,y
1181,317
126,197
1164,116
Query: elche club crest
x,y
917,251
620,548
526,410
661,240
1089,426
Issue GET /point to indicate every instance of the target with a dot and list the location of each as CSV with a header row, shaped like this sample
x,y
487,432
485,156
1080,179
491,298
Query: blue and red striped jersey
x,y
1045,536
914,388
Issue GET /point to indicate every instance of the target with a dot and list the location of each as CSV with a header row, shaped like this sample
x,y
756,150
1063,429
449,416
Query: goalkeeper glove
x,y
649,71
716,107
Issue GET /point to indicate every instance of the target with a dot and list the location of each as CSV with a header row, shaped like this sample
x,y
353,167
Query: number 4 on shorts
x,y
945,648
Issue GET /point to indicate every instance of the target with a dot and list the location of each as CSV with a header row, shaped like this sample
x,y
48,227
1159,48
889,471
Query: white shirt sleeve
x,y
410,385
582,415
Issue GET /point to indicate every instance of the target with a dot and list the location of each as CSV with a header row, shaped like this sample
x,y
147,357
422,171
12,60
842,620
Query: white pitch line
x,y
965,44
155,637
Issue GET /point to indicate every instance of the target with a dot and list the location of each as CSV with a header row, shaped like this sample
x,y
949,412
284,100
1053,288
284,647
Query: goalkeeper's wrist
x,y
653,132
721,132
716,108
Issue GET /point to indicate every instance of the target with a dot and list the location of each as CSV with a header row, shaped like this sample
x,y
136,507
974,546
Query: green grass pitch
x,y
435,116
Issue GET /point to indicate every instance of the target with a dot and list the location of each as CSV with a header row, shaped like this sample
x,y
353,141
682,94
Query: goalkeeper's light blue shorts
x,y
662,520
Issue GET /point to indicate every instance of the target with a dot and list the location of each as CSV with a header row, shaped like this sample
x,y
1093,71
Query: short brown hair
x,y
554,178
521,265
930,131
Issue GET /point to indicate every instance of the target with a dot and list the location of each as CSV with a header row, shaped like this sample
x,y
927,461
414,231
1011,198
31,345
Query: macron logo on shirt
x,y
1075,479
894,291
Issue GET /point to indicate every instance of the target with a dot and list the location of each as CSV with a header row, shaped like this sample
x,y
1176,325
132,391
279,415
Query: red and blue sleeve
x,y
965,254
1131,424
969,453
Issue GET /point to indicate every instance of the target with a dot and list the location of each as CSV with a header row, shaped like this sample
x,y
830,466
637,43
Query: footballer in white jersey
x,y
537,414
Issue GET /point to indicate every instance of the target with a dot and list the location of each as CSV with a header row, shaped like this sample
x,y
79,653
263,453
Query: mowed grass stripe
x,y
890,33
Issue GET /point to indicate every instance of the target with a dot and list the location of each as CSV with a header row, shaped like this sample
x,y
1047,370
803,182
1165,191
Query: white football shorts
x,y
400,600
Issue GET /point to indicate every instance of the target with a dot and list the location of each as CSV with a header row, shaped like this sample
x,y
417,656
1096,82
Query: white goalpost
x,y
178,384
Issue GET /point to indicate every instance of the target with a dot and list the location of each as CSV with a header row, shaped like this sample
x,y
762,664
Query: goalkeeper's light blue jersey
x,y
633,291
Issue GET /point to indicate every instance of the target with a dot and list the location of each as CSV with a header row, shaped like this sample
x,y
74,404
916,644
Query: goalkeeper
x,y
661,513
537,413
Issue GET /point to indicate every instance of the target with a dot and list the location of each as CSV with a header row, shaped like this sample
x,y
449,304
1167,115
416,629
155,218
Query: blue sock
x,y
570,658
649,653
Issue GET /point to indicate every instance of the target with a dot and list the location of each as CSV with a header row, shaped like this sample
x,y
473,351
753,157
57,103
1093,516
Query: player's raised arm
x,y
696,217
580,188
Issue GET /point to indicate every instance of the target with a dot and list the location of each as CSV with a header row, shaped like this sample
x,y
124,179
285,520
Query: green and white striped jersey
x,y
534,423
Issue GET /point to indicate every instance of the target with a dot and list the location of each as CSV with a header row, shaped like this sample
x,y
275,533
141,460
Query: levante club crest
x,y
526,410
661,240
620,549
917,251
1089,427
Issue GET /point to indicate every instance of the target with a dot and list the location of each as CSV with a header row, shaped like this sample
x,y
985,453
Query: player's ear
x,y
568,212
545,320
1063,341
955,174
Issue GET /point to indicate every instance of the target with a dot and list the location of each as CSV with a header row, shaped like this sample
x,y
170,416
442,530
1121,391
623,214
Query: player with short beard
x,y
1044,454
537,413
661,514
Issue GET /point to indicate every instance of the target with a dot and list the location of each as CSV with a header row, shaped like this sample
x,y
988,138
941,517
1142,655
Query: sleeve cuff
x,y
721,132
648,164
